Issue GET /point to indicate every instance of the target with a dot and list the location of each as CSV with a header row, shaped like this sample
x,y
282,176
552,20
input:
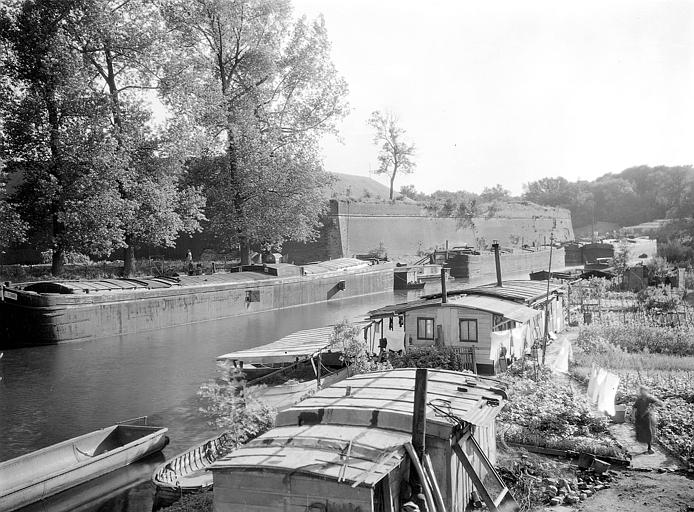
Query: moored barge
x,y
51,312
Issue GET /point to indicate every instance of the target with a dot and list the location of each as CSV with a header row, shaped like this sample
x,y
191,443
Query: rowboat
x,y
280,373
186,473
53,469
121,486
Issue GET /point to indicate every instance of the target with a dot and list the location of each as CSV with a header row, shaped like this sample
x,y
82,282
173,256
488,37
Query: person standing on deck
x,y
189,259
645,418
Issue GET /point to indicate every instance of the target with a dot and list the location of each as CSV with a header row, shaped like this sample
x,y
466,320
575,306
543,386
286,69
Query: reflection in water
x,y
127,488
49,394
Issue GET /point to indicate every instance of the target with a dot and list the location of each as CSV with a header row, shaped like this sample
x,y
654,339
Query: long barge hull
x,y
29,318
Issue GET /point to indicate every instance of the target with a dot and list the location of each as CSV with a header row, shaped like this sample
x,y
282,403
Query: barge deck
x,y
60,311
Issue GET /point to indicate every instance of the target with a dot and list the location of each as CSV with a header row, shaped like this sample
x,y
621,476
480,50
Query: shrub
x,y
444,358
663,298
346,338
234,407
202,502
636,337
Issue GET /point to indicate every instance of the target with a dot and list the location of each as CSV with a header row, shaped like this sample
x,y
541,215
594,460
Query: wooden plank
x,y
488,500
422,477
429,469
569,454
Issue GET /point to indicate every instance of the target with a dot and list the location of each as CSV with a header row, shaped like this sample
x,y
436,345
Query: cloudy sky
x,y
509,92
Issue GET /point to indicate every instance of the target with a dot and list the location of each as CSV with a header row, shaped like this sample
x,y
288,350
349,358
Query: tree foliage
x,y
76,127
124,46
56,133
347,339
635,195
12,228
233,406
258,89
395,155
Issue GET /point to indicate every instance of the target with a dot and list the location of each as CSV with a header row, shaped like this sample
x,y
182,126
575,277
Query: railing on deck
x,y
467,355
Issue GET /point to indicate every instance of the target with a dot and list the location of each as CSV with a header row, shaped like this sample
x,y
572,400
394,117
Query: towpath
x,y
653,482
558,354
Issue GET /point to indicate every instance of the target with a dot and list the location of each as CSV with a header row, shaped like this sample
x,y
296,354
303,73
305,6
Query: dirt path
x,y
647,491
649,484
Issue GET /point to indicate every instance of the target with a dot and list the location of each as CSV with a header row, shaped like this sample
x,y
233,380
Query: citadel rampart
x,y
402,230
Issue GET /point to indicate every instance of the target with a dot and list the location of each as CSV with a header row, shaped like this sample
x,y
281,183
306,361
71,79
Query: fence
x,y
467,356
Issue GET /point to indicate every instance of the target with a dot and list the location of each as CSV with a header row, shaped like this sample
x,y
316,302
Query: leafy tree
x,y
621,259
411,192
233,406
467,214
635,195
56,135
396,155
493,194
12,228
123,45
548,191
258,89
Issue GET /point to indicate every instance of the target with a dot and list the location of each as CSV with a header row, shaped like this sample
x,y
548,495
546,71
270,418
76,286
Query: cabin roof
x,y
322,450
334,265
509,309
385,399
300,344
521,291
120,284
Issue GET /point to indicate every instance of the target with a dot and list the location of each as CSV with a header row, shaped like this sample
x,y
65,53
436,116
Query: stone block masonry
x,y
405,229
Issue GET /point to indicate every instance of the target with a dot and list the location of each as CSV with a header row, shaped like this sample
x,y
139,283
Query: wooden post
x,y
444,292
419,420
549,276
497,263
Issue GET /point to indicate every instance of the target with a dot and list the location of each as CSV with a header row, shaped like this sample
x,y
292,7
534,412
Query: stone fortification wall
x,y
471,266
404,229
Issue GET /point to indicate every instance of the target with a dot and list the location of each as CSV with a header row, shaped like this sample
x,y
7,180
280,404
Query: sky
x,y
508,92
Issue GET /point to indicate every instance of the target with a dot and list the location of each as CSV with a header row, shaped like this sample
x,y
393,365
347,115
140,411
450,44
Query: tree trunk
x,y
392,176
57,261
245,247
129,259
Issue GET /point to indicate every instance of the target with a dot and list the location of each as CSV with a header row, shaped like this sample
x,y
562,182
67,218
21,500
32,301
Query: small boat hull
x,y
59,467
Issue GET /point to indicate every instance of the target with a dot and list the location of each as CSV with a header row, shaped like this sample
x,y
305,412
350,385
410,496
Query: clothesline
x,y
602,389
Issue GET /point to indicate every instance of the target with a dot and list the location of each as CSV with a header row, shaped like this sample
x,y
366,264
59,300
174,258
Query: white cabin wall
x,y
269,491
447,316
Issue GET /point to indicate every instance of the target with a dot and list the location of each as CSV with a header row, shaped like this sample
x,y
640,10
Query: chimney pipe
x,y
497,261
444,294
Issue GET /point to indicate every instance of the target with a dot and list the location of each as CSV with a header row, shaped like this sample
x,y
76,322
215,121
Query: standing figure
x,y
189,259
645,418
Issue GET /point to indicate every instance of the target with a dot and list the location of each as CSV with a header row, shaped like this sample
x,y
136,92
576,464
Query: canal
x,y
52,393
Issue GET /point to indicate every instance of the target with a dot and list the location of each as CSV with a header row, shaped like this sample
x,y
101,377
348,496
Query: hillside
x,y
635,195
351,185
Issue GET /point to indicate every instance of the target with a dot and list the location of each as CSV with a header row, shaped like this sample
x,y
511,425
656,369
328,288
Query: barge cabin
x,y
489,325
349,447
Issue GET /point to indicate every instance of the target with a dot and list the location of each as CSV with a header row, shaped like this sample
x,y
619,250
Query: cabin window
x,y
468,329
425,328
500,324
